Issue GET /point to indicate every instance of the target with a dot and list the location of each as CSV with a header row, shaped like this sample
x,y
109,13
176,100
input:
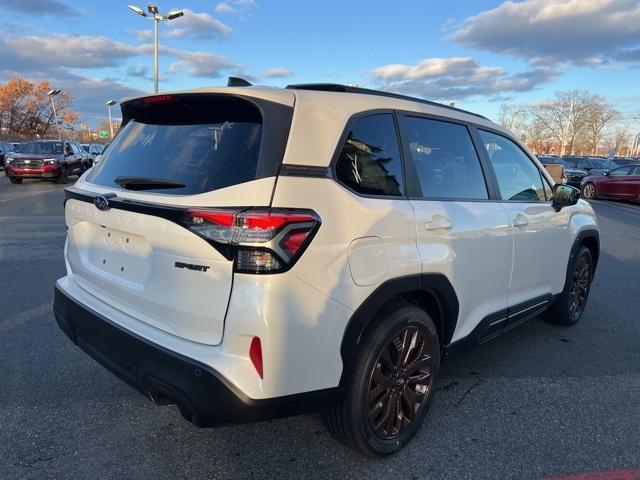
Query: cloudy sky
x,y
476,53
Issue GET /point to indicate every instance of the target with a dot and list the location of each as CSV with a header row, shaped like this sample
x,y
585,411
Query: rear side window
x,y
369,162
446,162
518,177
199,143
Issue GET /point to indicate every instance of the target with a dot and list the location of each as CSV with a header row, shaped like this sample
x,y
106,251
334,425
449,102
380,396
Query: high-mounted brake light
x,y
261,240
158,99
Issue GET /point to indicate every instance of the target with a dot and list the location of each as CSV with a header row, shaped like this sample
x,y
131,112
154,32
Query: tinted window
x,y
445,159
583,163
369,162
518,177
203,143
620,171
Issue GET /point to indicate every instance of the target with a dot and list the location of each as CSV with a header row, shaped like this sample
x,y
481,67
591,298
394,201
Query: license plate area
x,y
119,255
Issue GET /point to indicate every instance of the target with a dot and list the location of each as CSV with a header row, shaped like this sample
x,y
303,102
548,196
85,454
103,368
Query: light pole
x,y
51,94
156,17
109,104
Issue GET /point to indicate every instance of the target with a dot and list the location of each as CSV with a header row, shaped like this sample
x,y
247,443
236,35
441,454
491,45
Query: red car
x,y
622,183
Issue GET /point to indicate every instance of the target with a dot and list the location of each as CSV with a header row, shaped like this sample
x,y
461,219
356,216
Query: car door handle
x,y
438,223
520,221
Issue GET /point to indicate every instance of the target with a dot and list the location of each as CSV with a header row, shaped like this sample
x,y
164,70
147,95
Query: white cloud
x,y
457,77
200,25
71,51
143,36
586,32
202,64
235,6
277,72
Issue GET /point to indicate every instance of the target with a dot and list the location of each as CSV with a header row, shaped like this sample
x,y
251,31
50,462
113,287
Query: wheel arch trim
x,y
435,284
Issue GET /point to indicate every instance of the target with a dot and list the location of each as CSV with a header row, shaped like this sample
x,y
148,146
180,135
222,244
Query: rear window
x,y
202,143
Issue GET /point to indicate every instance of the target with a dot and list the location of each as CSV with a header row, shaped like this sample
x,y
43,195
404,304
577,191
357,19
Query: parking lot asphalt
x,y
539,402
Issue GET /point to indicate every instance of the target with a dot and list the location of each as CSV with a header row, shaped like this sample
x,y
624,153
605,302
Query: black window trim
x,y
343,137
485,155
414,187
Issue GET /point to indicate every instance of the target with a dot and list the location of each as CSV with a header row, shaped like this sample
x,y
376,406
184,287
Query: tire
x,y
15,180
358,421
589,191
573,299
63,177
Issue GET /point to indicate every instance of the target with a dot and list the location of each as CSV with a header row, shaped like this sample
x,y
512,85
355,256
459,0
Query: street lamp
x,y
51,94
156,17
109,104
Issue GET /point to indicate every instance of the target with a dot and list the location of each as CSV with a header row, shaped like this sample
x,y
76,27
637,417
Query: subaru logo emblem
x,y
102,201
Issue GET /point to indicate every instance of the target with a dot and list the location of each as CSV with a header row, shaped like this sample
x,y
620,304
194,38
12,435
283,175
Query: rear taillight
x,y
259,240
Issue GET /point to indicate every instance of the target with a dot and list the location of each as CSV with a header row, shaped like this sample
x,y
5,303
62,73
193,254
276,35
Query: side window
x,y
369,162
518,177
446,162
618,172
582,164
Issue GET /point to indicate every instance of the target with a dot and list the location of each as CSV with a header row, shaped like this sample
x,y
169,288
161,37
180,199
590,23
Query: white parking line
x,y
25,196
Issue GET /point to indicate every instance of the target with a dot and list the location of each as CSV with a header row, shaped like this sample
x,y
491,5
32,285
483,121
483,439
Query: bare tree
x,y
511,117
619,140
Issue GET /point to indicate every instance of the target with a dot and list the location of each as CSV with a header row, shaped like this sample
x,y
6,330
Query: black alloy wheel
x,y
579,288
400,382
390,384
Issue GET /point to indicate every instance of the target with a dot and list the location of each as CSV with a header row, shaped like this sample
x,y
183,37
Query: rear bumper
x,y
202,394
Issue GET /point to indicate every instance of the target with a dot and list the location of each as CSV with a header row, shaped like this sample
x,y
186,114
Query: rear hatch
x,y
126,242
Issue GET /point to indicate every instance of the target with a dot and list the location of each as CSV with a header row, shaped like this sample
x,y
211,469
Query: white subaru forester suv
x,y
249,252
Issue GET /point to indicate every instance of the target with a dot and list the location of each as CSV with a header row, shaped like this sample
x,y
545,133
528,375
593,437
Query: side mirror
x,y
564,196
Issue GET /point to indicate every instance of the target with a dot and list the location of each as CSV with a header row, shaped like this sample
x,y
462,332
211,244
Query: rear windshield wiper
x,y
146,183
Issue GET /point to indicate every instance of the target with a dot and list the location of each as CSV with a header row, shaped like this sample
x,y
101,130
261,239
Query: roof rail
x,y
336,87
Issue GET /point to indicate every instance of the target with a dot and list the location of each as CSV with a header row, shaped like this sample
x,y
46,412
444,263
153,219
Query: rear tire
x,y
15,180
573,299
391,385
589,191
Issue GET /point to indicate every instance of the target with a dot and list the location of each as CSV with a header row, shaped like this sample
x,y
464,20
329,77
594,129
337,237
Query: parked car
x,y
98,157
593,166
621,183
46,159
92,150
568,175
5,148
245,266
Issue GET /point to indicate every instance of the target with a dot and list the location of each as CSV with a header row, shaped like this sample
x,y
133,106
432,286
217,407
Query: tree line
x,y
574,122
26,110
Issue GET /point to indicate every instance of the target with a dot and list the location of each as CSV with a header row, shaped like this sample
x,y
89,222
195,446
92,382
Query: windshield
x,y
53,148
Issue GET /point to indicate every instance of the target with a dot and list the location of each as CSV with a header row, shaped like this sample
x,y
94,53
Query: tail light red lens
x,y
260,240
255,354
